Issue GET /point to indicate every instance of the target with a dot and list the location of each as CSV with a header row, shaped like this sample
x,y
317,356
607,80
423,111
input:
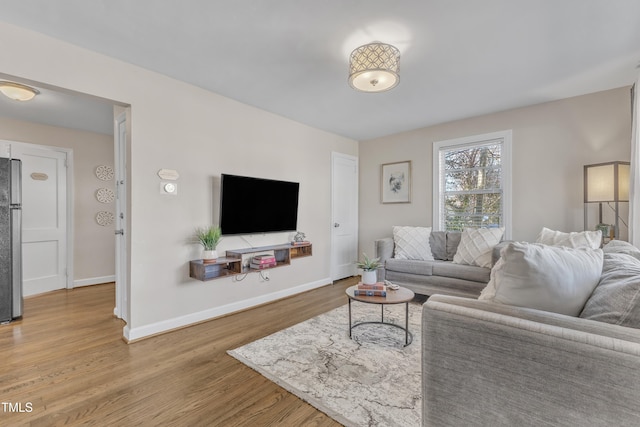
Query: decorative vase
x,y
369,277
209,256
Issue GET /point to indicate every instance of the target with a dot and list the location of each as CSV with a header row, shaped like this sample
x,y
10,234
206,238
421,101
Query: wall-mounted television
x,y
256,205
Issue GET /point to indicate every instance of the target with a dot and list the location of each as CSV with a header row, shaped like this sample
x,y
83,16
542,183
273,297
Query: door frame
x,y
334,156
122,308
69,235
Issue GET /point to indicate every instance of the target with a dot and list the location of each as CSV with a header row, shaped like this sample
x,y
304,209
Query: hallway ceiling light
x,y
17,91
374,67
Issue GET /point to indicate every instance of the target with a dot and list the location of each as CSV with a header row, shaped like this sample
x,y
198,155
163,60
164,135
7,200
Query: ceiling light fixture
x,y
17,91
374,67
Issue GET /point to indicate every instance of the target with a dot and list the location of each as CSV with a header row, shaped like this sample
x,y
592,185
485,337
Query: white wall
x,y
93,249
551,144
201,135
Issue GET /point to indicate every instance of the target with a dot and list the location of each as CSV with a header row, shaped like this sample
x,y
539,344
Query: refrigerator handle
x,y
16,261
16,182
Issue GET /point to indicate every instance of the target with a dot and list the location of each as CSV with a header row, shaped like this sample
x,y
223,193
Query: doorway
x,y
344,215
68,109
46,216
121,309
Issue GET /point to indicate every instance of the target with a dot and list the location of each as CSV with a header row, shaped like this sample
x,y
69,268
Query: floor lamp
x,y
606,183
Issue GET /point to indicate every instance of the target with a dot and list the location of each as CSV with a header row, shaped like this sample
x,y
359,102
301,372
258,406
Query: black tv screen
x,y
255,205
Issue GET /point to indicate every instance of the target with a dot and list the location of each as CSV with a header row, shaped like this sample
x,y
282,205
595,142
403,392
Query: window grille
x,y
471,183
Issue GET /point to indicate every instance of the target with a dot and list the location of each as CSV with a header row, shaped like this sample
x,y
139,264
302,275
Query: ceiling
x,y
56,107
460,58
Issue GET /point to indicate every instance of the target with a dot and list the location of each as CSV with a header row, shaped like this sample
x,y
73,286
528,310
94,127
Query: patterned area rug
x,y
370,380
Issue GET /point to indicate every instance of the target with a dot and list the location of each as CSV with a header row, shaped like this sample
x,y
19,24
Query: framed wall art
x,y
395,182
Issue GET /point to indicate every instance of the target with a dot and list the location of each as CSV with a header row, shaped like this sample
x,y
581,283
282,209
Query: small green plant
x,y
369,264
209,237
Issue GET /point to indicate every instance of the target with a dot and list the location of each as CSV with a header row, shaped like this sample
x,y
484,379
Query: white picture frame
x,y
395,182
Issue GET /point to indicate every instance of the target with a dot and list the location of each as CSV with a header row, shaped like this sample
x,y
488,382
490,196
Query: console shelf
x,y
235,261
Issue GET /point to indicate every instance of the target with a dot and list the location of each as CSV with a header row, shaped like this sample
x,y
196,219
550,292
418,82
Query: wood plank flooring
x,y
65,363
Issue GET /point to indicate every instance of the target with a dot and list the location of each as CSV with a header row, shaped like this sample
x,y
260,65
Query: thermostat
x,y
169,188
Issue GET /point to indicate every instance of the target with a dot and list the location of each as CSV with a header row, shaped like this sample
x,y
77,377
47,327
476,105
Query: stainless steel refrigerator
x,y
10,239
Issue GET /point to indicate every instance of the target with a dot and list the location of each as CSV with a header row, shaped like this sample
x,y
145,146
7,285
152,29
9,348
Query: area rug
x,y
370,380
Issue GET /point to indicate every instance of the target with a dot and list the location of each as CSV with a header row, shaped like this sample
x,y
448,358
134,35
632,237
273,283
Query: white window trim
x,y
506,136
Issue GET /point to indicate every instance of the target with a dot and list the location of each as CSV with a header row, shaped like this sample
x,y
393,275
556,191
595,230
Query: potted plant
x,y
369,267
209,237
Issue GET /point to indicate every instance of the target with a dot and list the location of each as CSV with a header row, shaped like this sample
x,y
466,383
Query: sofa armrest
x,y
490,364
383,250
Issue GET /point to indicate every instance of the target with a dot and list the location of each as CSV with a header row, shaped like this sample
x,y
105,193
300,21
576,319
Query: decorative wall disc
x,y
104,173
105,195
104,218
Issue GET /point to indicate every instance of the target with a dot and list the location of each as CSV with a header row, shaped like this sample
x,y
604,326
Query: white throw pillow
x,y
549,278
412,243
580,239
476,246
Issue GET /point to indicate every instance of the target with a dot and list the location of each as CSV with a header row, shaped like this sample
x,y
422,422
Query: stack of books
x,y
377,290
260,262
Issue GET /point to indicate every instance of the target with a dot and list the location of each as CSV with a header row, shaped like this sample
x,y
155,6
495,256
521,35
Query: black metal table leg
x,y
350,318
406,324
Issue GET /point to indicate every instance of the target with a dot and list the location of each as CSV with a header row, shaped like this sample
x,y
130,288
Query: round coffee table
x,y
399,296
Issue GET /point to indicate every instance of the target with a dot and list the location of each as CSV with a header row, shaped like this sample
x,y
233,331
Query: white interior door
x,y
121,309
44,217
344,206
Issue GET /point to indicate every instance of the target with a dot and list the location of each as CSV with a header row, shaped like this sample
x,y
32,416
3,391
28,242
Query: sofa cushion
x,y
439,268
412,242
424,268
438,243
616,299
550,278
476,245
453,241
582,239
460,271
444,244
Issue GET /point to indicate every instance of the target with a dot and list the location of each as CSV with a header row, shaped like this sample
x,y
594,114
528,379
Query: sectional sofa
x,y
490,363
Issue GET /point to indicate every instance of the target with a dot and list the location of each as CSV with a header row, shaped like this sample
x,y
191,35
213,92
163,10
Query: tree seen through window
x,y
472,193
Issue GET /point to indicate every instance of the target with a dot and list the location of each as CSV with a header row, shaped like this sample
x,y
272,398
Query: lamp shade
x,y
606,182
17,91
374,67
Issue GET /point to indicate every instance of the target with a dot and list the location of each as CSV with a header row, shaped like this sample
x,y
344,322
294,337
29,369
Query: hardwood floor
x,y
65,363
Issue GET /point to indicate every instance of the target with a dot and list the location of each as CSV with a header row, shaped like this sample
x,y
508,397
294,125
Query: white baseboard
x,y
93,281
133,334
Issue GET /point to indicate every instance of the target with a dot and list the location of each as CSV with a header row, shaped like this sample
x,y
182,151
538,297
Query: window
x,y
472,182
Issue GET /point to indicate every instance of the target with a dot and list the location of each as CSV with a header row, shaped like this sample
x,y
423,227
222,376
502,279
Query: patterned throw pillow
x,y
476,246
412,243
581,239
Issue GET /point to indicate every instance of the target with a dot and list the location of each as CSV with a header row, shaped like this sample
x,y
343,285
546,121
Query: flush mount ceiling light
x,y
374,67
17,91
